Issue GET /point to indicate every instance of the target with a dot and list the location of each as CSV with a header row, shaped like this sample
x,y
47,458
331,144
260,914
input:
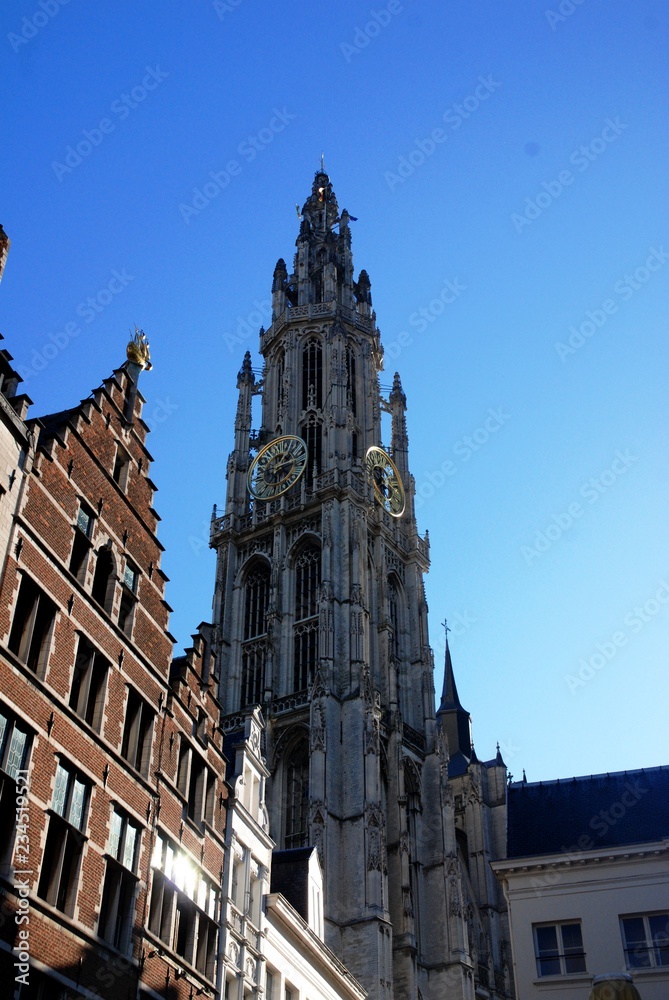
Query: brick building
x,y
112,777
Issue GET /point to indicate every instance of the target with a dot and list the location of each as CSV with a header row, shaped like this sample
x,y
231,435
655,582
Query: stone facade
x,y
320,617
272,942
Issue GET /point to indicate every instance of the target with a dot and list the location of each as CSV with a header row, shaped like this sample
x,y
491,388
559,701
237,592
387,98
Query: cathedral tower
x,y
321,619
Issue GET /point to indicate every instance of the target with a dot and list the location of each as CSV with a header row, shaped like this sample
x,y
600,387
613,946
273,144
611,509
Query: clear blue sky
x,y
508,167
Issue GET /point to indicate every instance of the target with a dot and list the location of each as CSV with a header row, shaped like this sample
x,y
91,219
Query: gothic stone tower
x,y
321,619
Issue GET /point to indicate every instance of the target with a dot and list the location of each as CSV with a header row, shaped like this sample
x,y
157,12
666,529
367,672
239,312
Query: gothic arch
x,y
254,561
412,780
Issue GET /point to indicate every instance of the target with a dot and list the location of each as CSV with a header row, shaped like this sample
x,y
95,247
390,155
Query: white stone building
x,y
587,883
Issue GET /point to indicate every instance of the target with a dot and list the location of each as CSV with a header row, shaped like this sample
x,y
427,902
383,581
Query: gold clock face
x,y
387,482
277,467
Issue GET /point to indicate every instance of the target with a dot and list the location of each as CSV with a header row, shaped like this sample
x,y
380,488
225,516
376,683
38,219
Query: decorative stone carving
x,y
374,846
454,893
372,742
317,729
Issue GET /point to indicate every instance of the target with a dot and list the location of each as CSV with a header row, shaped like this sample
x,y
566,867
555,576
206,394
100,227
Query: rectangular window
x,y
270,985
121,467
130,576
81,544
32,627
120,884
44,987
255,900
126,611
646,940
14,751
65,839
137,733
85,520
238,887
87,694
184,905
559,949
305,654
197,784
253,672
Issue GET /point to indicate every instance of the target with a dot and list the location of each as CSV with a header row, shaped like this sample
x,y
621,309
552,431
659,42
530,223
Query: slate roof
x,y
588,813
290,877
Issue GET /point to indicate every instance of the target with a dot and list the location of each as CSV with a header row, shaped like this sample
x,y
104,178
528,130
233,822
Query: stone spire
x,y
455,721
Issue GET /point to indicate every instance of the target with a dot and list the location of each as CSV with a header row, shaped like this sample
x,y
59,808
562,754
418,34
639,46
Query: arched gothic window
x,y
351,386
305,638
254,646
312,375
296,796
